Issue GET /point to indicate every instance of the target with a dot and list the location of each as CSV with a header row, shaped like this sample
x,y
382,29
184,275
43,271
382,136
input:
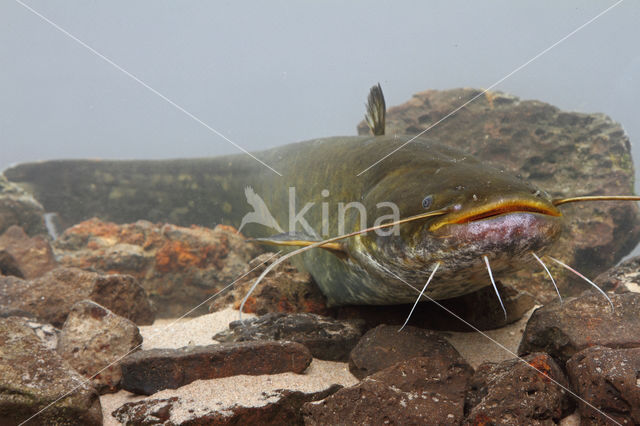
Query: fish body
x,y
491,213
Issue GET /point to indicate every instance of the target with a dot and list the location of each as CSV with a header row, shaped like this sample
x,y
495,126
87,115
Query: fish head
x,y
486,212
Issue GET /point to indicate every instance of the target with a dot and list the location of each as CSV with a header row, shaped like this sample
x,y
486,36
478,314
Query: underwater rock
x,y
93,339
561,330
33,376
18,207
32,256
9,266
285,289
564,153
326,338
512,392
241,400
51,296
147,372
607,379
423,390
384,346
48,334
622,277
178,267
431,316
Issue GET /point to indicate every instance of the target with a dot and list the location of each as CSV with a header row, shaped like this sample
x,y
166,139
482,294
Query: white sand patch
x,y
171,333
633,287
201,396
477,348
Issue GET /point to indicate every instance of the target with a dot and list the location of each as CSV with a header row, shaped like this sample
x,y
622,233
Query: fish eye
x,y
427,201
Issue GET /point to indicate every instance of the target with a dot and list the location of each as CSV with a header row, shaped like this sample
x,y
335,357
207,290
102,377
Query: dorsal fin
x,y
376,111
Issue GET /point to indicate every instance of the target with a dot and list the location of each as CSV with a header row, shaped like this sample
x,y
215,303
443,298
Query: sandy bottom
x,y
491,345
476,348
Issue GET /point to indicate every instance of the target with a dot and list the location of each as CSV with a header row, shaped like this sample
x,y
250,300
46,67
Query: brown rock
x,y
17,207
178,267
432,316
35,378
516,392
9,265
94,339
51,296
33,256
124,296
561,330
385,345
608,380
621,277
147,372
424,390
285,289
564,153
326,338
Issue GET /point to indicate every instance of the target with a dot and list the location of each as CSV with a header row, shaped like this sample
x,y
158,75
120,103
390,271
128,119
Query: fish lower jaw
x,y
514,233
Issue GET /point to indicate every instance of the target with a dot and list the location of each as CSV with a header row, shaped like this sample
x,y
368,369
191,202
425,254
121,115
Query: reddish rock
x,y
285,289
326,338
147,372
178,267
608,379
561,330
94,339
51,296
32,256
385,345
33,377
17,207
516,392
424,390
564,153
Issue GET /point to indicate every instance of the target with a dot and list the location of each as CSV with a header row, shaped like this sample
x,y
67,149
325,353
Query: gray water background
x,y
269,73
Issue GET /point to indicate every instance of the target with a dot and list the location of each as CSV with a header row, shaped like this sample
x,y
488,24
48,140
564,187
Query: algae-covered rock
x,y
18,207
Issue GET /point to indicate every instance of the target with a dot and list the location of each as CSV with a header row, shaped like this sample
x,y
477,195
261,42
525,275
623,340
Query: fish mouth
x,y
496,208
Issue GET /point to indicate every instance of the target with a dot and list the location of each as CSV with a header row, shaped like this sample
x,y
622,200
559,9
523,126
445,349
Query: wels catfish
x,y
437,208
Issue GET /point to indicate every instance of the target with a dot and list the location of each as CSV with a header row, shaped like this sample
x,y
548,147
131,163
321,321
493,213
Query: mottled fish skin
x,y
212,190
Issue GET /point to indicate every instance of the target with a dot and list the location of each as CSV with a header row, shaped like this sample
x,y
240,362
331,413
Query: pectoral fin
x,y
299,239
